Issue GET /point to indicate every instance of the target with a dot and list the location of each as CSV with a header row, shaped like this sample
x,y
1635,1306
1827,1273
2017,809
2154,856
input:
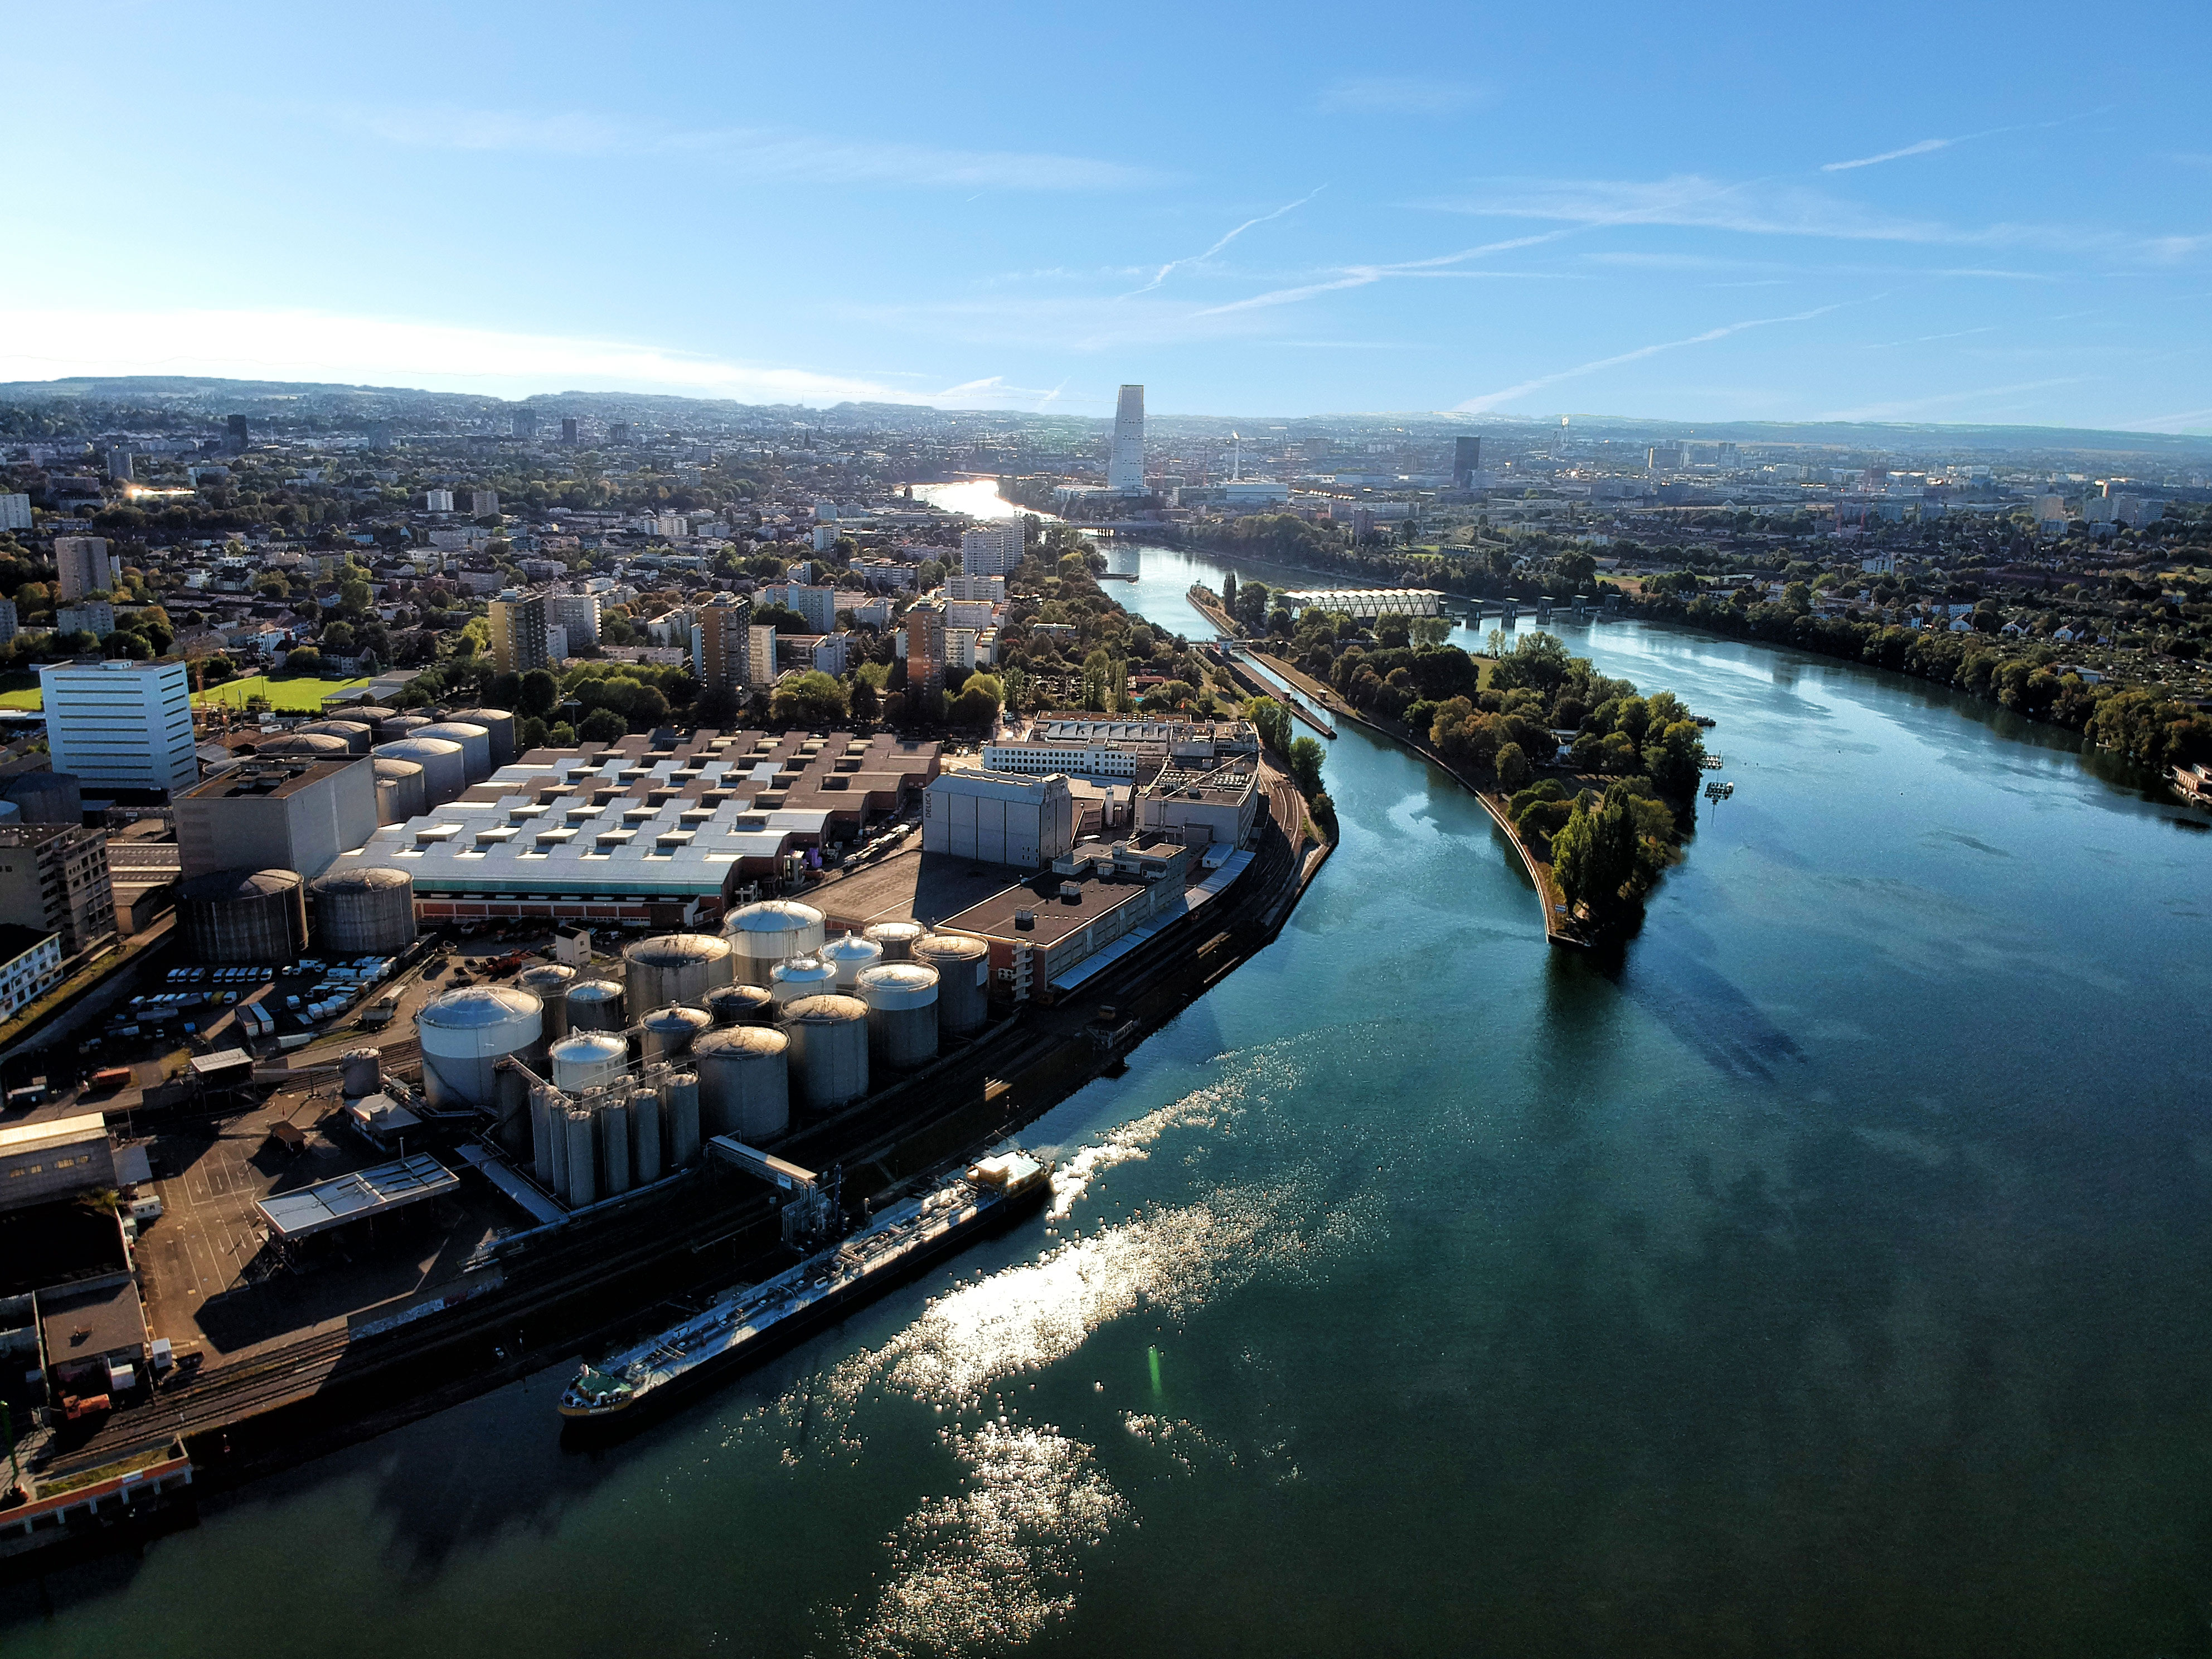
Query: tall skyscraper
x,y
518,633
724,646
83,565
1124,467
568,428
483,503
525,423
1467,461
119,464
236,440
924,651
123,725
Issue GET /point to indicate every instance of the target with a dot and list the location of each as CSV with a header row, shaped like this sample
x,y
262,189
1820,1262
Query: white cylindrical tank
x,y
304,746
741,1005
675,968
475,742
401,791
679,1119
465,1033
897,939
361,1070
594,1005
745,1082
803,976
828,1049
583,1158
666,1034
356,735
549,1140
549,982
902,999
645,1138
773,931
963,980
500,723
850,956
614,1145
445,769
589,1059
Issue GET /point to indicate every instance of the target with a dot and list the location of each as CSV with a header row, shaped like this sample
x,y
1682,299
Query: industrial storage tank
x,y
675,968
361,1071
745,1082
963,980
445,771
902,999
849,956
358,736
549,982
402,791
807,976
773,931
828,1049
368,911
589,1059
645,1166
46,797
475,742
583,1183
371,715
594,1005
741,1005
235,917
897,939
679,1119
393,728
667,1033
466,1033
614,1146
303,746
497,721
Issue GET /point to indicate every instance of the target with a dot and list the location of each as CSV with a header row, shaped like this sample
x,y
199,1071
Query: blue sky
x,y
1970,212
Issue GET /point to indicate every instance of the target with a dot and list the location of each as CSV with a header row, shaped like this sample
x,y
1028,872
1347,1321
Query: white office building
x,y
1124,467
577,612
817,604
15,512
439,501
120,725
993,549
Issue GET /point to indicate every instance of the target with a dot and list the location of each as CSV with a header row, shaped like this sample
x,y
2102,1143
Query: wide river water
x,y
1828,1272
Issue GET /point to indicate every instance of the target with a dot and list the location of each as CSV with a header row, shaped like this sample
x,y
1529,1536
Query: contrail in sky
x,y
1160,274
1491,400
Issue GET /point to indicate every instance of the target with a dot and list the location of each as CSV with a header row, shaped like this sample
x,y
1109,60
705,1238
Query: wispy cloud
x,y
1362,276
1926,339
2187,420
1921,149
1491,400
1160,274
1757,206
1911,406
1389,94
765,156
309,345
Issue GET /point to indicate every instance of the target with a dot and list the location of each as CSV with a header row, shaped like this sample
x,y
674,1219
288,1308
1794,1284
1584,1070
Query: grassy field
x,y
294,696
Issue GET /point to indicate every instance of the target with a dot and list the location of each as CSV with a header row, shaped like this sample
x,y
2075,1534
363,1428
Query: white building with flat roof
x,y
15,512
996,818
1125,466
991,549
120,725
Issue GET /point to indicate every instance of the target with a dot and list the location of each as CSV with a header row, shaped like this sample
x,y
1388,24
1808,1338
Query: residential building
x,y
523,425
1125,466
569,432
30,966
1467,461
83,567
989,589
872,613
557,644
518,633
237,439
483,503
991,549
120,725
15,512
824,653
577,612
118,465
968,613
93,617
883,572
924,651
276,815
10,625
817,604
54,878
438,500
995,817
724,646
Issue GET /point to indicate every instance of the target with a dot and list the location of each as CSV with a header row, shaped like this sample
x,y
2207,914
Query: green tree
x,y
1306,758
718,708
1272,721
810,699
1513,769
537,692
978,705
603,726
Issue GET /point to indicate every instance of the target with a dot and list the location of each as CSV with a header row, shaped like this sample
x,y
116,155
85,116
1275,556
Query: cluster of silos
x,y
599,1132
762,936
366,912
499,724
901,997
444,765
675,968
402,790
358,736
236,917
963,980
473,741
466,1033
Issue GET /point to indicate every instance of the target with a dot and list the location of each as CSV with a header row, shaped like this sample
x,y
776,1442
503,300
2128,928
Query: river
x,y
1829,1271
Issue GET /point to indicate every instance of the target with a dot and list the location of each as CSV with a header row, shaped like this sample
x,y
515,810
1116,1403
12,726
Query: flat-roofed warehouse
x,y
995,817
1364,601
52,1159
1093,896
278,814
658,830
1199,806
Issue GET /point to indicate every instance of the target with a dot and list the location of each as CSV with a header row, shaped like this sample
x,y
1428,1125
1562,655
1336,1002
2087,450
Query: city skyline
x,y
1732,219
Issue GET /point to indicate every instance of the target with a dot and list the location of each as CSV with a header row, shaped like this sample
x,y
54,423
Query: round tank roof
x,y
336,728
391,765
304,741
368,877
591,1047
909,931
675,1014
898,985
959,945
546,976
409,746
594,990
824,1010
478,1005
740,1042
773,916
801,969
674,949
219,885
850,948
450,730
